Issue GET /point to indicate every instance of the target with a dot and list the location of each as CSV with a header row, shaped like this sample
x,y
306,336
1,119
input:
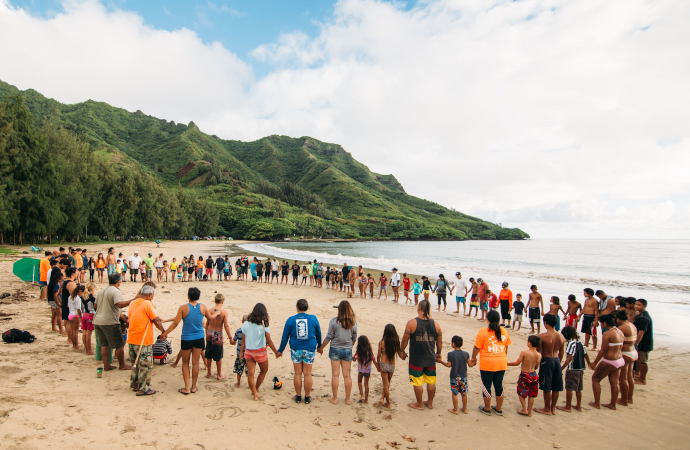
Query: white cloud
x,y
567,118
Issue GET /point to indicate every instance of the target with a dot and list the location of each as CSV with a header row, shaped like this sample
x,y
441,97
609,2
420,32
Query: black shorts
x,y
214,352
274,274
550,375
259,273
534,315
190,270
133,271
196,343
441,297
587,323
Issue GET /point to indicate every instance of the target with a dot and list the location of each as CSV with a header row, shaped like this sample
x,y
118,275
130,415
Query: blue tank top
x,y
193,324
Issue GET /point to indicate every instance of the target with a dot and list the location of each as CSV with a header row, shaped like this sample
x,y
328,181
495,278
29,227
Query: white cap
x,y
146,290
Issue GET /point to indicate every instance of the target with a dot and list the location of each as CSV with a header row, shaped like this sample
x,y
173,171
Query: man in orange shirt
x,y
140,339
44,267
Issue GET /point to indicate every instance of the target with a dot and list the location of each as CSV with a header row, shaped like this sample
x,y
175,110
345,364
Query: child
x,y
555,309
89,310
304,275
240,363
416,290
226,269
528,382
214,338
385,361
406,287
363,281
573,307
458,360
180,272
575,364
382,283
371,282
364,357
492,300
74,303
474,299
426,287
161,350
519,308
124,326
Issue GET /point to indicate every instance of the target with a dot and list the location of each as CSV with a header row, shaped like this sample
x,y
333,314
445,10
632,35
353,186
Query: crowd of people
x,y
553,360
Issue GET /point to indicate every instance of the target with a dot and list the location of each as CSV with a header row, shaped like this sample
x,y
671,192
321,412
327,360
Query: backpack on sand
x,y
15,336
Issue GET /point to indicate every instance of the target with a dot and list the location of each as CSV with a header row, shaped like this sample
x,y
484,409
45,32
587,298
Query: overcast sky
x,y
566,118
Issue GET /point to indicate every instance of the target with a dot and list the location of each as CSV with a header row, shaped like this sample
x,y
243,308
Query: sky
x,y
566,118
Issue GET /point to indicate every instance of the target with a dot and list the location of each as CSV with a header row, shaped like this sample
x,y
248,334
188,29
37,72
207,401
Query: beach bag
x,y
16,336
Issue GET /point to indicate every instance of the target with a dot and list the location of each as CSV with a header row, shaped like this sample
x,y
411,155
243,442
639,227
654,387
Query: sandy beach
x,y
51,398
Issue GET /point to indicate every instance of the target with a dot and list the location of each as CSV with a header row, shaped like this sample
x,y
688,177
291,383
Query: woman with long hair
x,y
492,344
342,335
257,336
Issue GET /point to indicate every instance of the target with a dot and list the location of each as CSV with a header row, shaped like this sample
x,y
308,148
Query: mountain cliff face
x,y
274,187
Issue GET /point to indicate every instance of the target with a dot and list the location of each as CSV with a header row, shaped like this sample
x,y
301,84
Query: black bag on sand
x,y
16,336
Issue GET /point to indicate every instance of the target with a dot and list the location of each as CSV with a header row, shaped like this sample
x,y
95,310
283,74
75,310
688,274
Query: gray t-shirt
x,y
339,336
106,311
458,363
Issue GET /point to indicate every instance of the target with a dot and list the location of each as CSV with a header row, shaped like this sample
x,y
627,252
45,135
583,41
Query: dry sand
x,y
50,396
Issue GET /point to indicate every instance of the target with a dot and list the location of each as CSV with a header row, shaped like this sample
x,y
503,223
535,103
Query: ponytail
x,y
425,307
494,319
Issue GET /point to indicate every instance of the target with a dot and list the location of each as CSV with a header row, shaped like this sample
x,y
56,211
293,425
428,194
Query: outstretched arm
x,y
176,322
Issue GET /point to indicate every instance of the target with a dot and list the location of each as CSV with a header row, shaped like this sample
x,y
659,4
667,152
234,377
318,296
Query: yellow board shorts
x,y
421,375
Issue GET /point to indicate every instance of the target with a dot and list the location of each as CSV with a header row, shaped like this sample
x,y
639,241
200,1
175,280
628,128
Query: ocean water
x,y
657,270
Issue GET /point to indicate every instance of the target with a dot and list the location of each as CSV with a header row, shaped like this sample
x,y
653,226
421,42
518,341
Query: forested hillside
x,y
91,167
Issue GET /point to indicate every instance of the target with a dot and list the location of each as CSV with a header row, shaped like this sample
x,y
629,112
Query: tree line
x,y
54,185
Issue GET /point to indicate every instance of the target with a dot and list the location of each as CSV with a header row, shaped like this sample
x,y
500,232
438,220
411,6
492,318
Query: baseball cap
x,y
457,273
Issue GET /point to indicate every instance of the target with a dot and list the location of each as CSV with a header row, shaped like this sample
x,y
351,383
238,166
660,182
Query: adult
x,y
43,268
134,263
626,380
68,285
111,260
505,298
304,335
395,284
220,268
481,294
426,342
106,322
284,272
552,349
441,290
158,264
193,340
256,336
142,319
609,361
342,335
244,266
461,288
645,339
492,345
607,303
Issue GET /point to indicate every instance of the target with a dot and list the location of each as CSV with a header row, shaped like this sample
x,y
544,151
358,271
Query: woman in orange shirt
x,y
506,299
492,344
100,267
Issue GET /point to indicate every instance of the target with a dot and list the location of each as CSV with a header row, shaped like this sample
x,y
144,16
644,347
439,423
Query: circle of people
x,y
551,362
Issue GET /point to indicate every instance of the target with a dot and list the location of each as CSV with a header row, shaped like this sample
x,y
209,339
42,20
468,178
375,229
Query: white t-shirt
x,y
460,287
395,279
159,263
74,304
275,265
134,262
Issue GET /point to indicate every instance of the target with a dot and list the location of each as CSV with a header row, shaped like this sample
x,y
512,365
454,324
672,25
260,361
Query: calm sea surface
x,y
657,270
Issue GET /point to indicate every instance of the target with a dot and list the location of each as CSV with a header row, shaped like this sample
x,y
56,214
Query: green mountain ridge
x,y
274,187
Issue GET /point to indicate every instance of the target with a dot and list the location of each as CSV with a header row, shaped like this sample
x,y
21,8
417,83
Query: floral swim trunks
x,y
528,384
458,385
302,356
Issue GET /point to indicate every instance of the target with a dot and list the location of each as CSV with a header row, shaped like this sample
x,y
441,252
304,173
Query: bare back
x,y
551,344
530,360
216,324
